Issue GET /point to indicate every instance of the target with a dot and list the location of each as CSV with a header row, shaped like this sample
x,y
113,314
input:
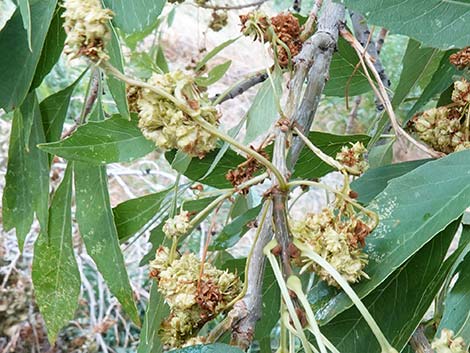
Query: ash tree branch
x,y
242,87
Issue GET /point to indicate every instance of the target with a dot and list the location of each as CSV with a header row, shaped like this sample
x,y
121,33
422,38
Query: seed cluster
x,y
194,299
353,158
177,226
167,125
338,238
446,129
85,23
447,343
286,28
244,172
461,59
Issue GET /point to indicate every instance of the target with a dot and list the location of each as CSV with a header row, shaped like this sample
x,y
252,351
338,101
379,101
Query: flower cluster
x,y
461,59
85,25
167,125
177,226
193,298
284,27
446,128
338,238
218,20
244,172
446,343
353,158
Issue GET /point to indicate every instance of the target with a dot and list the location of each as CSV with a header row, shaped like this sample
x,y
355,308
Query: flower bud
x,y
177,226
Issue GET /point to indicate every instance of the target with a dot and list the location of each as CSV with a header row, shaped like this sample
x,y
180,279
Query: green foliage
x,y
209,348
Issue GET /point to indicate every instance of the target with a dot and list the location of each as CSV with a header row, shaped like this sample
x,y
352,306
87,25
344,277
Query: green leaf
x,y
17,62
109,141
436,23
416,63
310,166
25,10
213,53
117,87
130,216
233,231
412,210
209,348
96,223
54,111
381,155
55,272
135,16
52,48
213,75
375,180
27,179
154,314
406,296
341,69
198,167
456,315
440,81
160,60
263,111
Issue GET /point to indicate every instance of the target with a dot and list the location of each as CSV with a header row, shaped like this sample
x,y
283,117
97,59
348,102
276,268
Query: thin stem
x,y
307,251
203,214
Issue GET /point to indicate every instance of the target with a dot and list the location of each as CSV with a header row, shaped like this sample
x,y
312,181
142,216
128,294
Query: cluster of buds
x,y
195,295
167,125
446,128
284,27
85,23
177,226
338,238
219,20
446,343
461,59
353,158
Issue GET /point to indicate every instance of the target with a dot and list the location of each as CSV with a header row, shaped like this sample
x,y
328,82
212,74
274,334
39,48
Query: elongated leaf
x,y
436,23
411,209
154,314
55,272
375,180
440,81
17,62
209,348
54,111
52,48
381,155
112,140
96,224
341,69
416,63
27,179
406,296
456,315
233,231
132,215
25,10
310,166
213,75
117,87
263,111
213,53
135,16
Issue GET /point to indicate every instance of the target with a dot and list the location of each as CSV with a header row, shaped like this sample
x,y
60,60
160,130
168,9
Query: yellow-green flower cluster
x,y
178,225
447,343
85,24
337,241
446,129
353,158
194,299
167,125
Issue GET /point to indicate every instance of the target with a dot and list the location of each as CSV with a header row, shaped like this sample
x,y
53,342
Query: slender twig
x,y
309,26
381,39
232,7
240,87
419,342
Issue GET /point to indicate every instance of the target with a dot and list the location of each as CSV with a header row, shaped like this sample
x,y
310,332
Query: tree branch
x,y
419,342
232,7
241,88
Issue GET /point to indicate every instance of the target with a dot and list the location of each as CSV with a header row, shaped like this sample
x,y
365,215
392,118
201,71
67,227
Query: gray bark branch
x,y
243,86
419,342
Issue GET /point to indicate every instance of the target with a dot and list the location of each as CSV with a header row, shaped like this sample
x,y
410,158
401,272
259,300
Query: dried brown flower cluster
x,y
446,129
85,23
193,299
284,25
353,158
461,59
244,172
218,20
167,125
338,235
133,94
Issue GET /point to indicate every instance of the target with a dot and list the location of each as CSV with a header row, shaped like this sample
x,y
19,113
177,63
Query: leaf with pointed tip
x,y
412,210
25,11
406,296
56,277
27,178
17,62
113,140
213,75
132,215
213,53
381,155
